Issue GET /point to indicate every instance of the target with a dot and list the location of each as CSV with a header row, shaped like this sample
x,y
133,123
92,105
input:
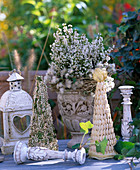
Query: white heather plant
x,y
74,58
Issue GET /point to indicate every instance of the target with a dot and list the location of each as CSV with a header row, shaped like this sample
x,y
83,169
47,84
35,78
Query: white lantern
x,y
16,107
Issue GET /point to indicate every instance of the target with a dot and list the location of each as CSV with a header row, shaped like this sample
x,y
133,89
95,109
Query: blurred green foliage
x,y
127,54
29,22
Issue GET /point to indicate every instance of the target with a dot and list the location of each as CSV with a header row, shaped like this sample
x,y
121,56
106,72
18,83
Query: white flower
x,y
70,71
63,72
64,24
66,75
2,16
100,65
59,85
47,78
109,83
61,90
107,58
69,25
65,28
105,64
54,80
112,65
90,75
68,83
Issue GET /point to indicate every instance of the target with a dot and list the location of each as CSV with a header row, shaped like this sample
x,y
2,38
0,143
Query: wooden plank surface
x,y
59,164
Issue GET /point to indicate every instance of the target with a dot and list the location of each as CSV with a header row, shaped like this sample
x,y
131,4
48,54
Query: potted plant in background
x,y
70,74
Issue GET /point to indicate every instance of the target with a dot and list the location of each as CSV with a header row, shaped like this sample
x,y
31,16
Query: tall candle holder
x,y
126,128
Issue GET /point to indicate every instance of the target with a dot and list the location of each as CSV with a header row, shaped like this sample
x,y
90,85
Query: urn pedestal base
x,y
76,138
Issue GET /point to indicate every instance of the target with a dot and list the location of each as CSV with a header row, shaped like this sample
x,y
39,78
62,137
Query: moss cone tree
x,y
42,129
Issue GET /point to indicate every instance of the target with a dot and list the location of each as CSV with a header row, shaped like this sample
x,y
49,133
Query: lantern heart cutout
x,y
21,123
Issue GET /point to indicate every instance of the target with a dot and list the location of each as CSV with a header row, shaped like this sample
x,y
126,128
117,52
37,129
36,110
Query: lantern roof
x,y
15,99
13,76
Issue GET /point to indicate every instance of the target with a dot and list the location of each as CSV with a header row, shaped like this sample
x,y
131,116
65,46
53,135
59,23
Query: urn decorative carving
x,y
75,108
16,106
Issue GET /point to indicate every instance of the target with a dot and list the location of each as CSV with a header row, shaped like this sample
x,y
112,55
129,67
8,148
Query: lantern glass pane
x,y
22,123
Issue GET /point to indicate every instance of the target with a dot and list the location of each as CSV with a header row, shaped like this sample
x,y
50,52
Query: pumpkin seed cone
x,y
103,124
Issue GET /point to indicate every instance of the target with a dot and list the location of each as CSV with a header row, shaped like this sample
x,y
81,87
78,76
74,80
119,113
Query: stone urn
x,y
75,108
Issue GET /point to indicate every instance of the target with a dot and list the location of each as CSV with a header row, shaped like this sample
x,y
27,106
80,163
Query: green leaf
x,y
117,62
135,45
121,145
87,149
132,139
117,137
112,93
82,130
131,152
97,143
129,16
135,35
36,12
136,122
52,103
74,80
137,147
136,131
32,2
85,126
124,28
76,146
119,157
38,5
133,164
102,146
112,34
124,151
130,82
137,155
117,108
47,21
53,13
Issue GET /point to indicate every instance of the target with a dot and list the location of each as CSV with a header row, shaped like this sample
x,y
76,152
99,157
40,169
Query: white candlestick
x,y
126,129
22,152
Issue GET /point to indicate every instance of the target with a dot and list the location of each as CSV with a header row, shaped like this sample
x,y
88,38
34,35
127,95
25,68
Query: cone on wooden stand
x,y
42,129
102,122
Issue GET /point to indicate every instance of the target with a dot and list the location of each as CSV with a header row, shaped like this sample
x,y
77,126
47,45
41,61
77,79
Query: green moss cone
x,y
42,129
